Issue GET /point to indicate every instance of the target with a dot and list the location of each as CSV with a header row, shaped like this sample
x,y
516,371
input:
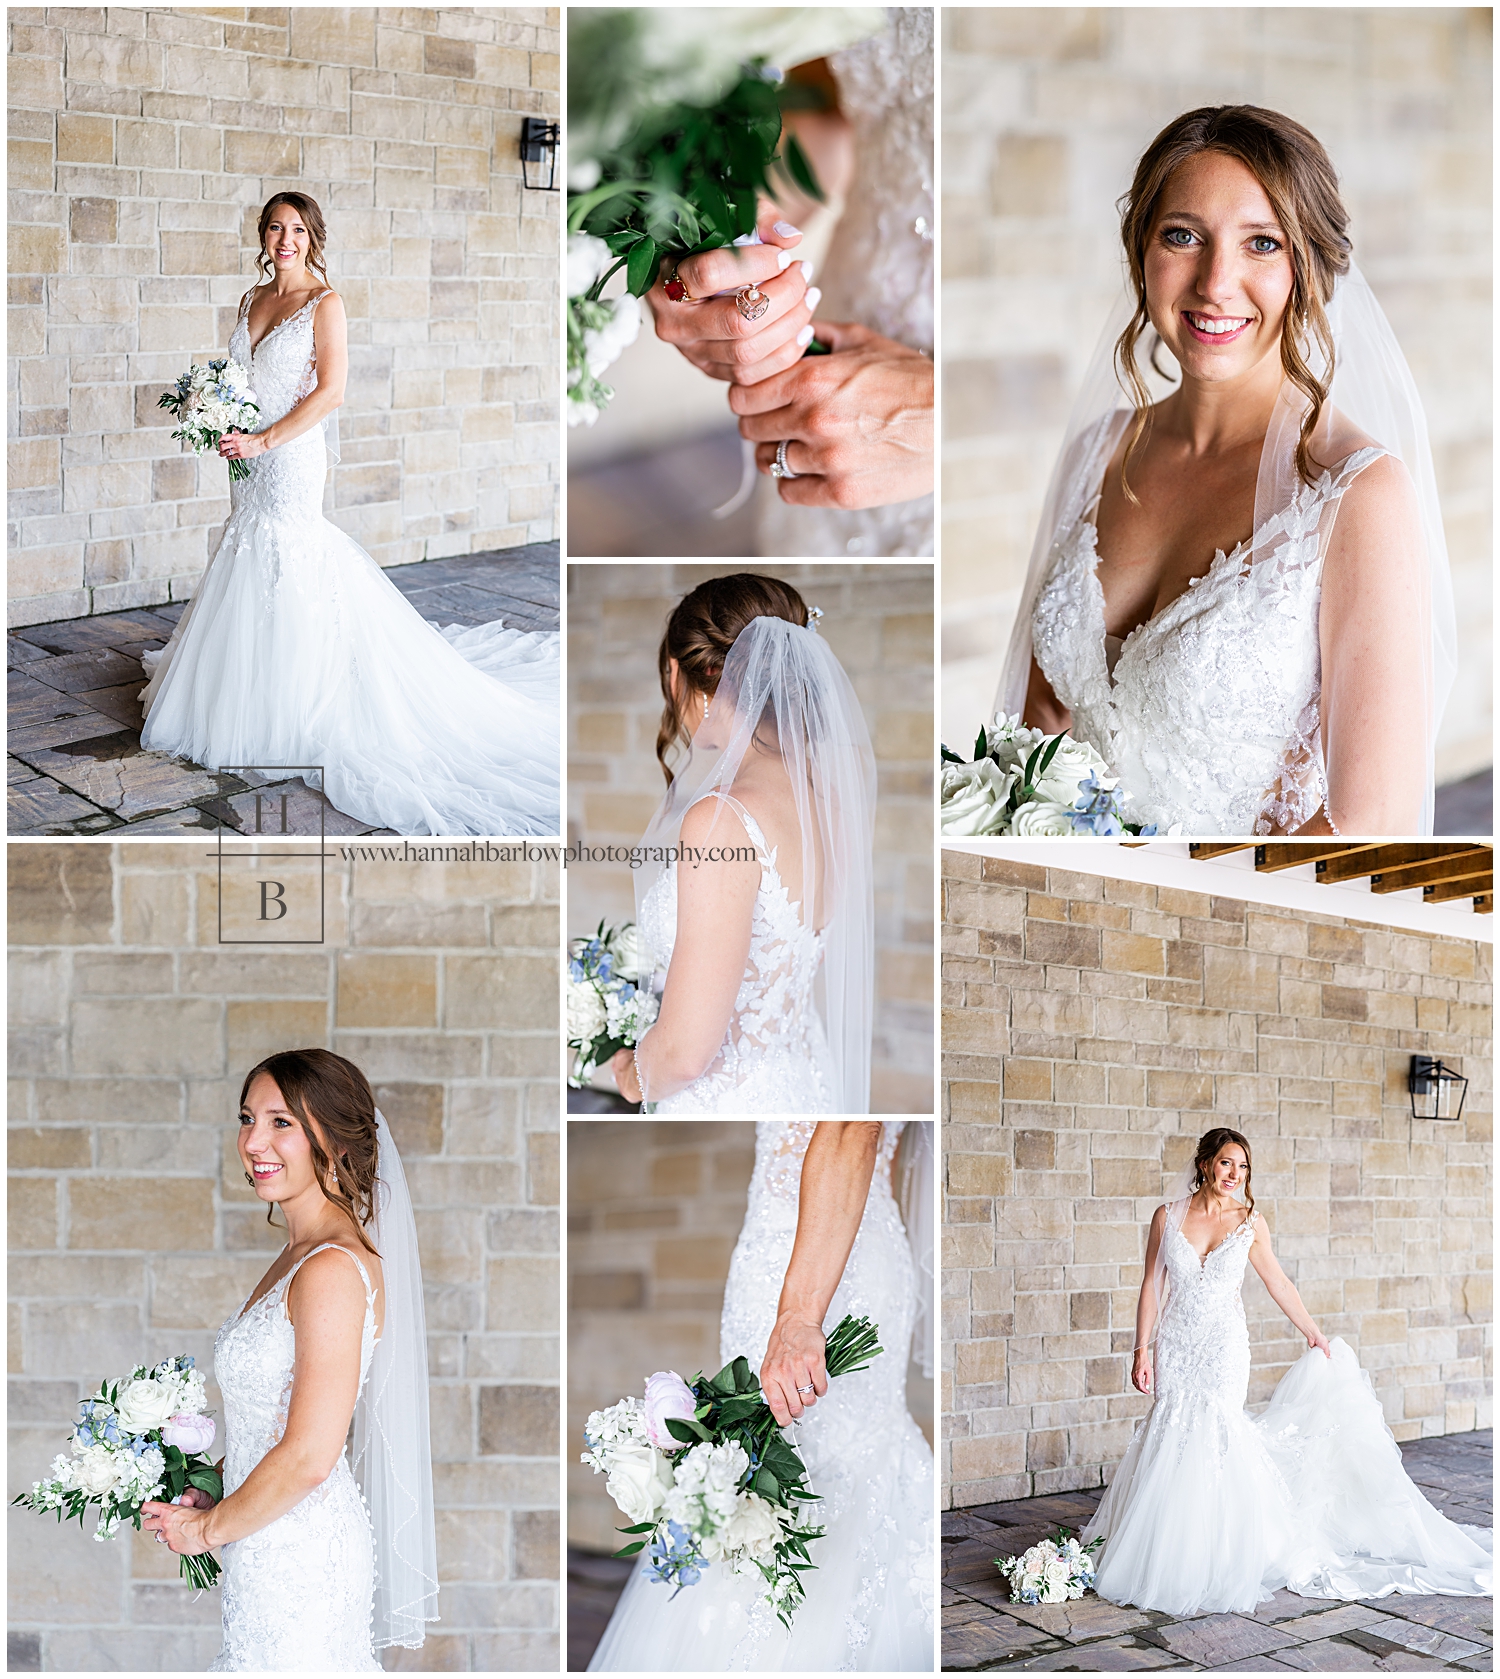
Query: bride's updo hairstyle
x,y
336,1107
1209,1146
312,220
1297,177
703,627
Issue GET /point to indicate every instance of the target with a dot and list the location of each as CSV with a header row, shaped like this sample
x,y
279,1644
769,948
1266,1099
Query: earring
x,y
250,1179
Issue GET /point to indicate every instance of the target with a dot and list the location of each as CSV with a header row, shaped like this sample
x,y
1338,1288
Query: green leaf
x,y
640,267
947,757
801,171
630,1550
981,744
688,1430
640,1527
1047,757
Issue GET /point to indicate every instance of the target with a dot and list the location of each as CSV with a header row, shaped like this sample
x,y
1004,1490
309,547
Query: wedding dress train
x,y
870,1600
298,1594
1213,1511
298,650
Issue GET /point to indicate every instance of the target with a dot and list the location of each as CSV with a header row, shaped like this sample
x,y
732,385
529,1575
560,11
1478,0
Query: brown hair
x,y
312,220
330,1095
1209,1145
703,626
1298,178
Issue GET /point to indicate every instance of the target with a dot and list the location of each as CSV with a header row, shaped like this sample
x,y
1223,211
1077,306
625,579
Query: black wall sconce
x,y
539,147
1437,1092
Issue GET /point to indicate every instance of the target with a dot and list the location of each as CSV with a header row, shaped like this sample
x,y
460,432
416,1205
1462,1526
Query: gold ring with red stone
x,y
676,289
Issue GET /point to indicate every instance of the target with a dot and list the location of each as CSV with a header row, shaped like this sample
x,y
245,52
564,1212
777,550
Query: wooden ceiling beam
x,y
1204,851
1383,859
1476,867
1293,854
1452,891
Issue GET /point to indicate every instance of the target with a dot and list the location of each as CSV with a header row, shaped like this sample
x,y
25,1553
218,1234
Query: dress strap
x,y
337,1247
752,827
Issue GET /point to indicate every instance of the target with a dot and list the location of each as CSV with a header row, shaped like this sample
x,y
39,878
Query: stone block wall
x,y
1093,1029
879,620
144,141
1045,112
133,1234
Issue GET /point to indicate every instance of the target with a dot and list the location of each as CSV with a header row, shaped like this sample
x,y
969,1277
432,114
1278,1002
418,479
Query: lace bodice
x,y
1203,1345
1210,715
774,1058
297,1595
879,270
287,480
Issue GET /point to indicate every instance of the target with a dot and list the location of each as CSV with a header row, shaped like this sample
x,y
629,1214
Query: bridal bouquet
x,y
212,402
1052,1571
143,1437
705,1475
1027,784
608,1008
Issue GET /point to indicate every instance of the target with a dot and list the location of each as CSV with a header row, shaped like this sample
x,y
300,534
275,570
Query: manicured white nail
x,y
787,231
814,298
784,260
807,273
805,337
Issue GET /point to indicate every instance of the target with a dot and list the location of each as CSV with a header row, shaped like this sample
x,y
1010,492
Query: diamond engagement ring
x,y
808,1389
779,468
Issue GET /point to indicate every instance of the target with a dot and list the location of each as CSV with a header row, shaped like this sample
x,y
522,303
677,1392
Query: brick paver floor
x,y
983,1629
75,764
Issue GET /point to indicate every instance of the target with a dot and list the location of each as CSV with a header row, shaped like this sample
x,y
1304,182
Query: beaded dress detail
x,y
879,270
870,1603
297,650
1212,1511
297,1595
1209,711
775,1057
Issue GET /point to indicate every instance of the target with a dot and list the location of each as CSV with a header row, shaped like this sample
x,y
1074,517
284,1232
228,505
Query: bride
x,y
1239,594
297,652
823,1236
756,911
1212,1511
324,1564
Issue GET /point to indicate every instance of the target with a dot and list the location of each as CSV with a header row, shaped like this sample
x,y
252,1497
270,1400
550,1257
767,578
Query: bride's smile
x,y
273,1147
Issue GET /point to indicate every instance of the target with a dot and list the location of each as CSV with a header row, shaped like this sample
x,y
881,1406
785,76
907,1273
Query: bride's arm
x,y
1145,1307
835,1185
1282,1290
1043,710
1374,631
331,364
715,902
328,1299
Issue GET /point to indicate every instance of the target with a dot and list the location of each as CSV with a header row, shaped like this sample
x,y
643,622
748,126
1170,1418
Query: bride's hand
x,y
1140,1375
181,1527
1318,1342
622,1065
242,445
858,423
794,1359
712,333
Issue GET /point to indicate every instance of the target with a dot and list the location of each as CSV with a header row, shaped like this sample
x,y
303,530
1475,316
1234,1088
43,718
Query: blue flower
x,y
606,965
675,1559
575,970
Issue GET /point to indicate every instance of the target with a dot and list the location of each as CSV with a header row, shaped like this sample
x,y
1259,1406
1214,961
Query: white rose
x,y
1073,762
1057,1573
1041,819
586,1012
972,797
754,1530
97,1471
639,1479
145,1405
626,948
1055,1594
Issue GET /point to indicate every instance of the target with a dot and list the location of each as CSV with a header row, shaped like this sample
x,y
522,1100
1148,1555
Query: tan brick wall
x,y
1093,1029
144,141
654,1211
878,620
133,1234
1045,113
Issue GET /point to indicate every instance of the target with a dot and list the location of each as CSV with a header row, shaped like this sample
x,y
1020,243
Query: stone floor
x,y
984,1630
662,503
75,763
594,1586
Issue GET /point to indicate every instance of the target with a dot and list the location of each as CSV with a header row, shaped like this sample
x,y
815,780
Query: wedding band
x,y
779,468
810,1388
160,1537
677,289
751,302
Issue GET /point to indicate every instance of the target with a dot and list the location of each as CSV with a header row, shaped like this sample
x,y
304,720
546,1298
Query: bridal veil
x,y
782,692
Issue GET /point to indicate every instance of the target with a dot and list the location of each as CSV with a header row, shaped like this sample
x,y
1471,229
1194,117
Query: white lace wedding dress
x,y
870,1601
297,1595
1208,712
298,650
879,271
775,1057
1212,1511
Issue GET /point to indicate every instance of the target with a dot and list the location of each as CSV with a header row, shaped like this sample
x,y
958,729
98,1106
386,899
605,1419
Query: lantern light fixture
x,y
1437,1092
539,148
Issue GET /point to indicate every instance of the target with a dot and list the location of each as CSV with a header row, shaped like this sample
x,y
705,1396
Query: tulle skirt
x,y
1212,1511
298,650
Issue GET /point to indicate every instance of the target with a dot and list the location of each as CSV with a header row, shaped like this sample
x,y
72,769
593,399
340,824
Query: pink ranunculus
x,y
667,1395
189,1433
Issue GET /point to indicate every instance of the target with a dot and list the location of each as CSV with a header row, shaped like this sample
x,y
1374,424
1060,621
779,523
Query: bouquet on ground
x,y
1027,784
143,1437
1052,1571
705,1474
211,402
608,1007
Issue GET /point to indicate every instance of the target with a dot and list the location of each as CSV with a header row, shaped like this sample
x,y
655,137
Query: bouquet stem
x,y
200,1572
